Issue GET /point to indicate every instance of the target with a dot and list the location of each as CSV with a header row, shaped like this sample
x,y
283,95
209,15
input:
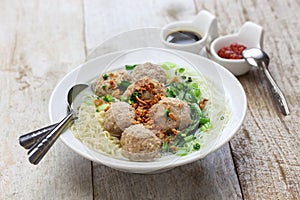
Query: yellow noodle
x,y
89,130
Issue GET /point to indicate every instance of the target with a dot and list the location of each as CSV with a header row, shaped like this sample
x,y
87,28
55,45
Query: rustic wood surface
x,y
41,41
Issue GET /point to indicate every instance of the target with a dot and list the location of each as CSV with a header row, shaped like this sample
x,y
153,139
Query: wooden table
x,y
41,41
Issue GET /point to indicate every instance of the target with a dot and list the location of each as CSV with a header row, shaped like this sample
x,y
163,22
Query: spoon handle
x,y
38,151
277,93
29,139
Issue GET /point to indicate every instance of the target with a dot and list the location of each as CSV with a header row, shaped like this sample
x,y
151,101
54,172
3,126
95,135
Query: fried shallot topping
x,y
202,103
150,92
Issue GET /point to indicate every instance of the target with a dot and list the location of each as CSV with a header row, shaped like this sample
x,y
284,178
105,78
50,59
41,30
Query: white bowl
x,y
250,35
221,77
204,24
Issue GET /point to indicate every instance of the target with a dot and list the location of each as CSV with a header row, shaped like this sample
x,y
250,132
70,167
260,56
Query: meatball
x,y
140,144
168,114
151,70
119,116
147,87
108,83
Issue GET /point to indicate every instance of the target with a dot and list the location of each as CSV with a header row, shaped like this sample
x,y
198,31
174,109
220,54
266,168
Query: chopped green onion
x,y
196,92
167,112
183,77
194,89
181,152
205,127
189,138
103,86
181,70
194,85
168,65
170,93
130,67
166,146
108,98
130,102
132,98
204,120
189,80
196,146
105,76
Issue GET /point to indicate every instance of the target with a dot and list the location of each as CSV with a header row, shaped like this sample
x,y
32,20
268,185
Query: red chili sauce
x,y
233,51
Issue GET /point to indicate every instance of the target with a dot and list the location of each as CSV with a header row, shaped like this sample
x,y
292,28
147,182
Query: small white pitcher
x,y
205,25
250,35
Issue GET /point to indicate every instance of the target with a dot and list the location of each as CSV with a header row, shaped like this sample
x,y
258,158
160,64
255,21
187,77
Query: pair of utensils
x,y
40,141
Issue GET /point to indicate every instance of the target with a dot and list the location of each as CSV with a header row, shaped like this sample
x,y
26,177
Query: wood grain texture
x,y
42,41
210,178
39,43
267,149
106,19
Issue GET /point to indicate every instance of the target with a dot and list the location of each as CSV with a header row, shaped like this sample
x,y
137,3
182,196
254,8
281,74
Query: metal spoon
x,y
258,58
29,139
48,138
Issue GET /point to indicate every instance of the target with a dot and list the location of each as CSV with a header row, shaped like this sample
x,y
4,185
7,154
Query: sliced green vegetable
x,y
132,98
204,120
130,102
189,80
205,127
196,111
105,76
181,70
108,98
181,152
102,107
124,85
196,146
190,97
189,138
165,146
130,67
183,91
103,86
170,93
183,134
167,112
194,85
168,65
197,92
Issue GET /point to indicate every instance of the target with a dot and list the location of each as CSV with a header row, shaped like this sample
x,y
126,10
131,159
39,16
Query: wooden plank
x,y
267,149
39,43
105,19
211,178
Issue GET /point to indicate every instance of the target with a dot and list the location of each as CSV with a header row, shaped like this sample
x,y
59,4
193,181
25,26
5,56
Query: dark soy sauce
x,y
183,37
